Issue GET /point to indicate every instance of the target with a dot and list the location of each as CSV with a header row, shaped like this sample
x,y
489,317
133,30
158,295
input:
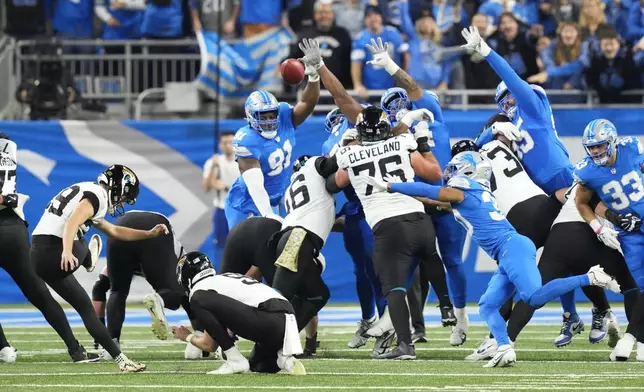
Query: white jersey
x,y
570,213
510,183
8,166
391,156
236,286
61,207
308,203
227,172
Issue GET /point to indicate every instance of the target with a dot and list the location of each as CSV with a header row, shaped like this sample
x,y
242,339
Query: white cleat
x,y
504,357
381,326
458,336
640,352
358,339
612,329
154,304
600,278
290,364
486,350
127,365
94,245
8,355
623,349
233,367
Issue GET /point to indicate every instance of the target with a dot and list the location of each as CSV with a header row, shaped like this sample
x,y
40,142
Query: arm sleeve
x,y
485,137
92,199
568,69
417,189
429,101
254,179
326,166
525,97
331,186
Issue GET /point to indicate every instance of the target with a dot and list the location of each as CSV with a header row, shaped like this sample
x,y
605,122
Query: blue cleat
x,y
572,325
598,329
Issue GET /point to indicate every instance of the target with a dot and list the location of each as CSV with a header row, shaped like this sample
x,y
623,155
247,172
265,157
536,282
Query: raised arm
x,y
308,100
406,23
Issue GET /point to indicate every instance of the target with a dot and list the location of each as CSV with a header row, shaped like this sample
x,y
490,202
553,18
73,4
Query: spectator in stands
x,y
525,11
366,77
430,65
301,18
616,12
636,21
547,18
517,46
122,21
257,17
478,74
561,60
617,68
75,20
25,19
447,14
566,10
206,17
591,18
349,14
162,20
335,42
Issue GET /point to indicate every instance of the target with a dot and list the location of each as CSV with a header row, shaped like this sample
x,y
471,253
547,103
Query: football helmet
x,y
122,187
262,112
333,118
470,164
597,133
505,100
373,125
464,145
191,268
394,100
300,162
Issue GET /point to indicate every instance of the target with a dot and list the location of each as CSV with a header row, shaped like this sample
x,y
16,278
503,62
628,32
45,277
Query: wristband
x,y
189,338
314,78
596,226
423,145
391,67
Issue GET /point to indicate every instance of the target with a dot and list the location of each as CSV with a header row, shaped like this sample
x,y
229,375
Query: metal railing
x,y
6,73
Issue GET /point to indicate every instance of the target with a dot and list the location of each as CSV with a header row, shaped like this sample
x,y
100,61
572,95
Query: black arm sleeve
x,y
331,185
326,166
92,199
594,201
612,217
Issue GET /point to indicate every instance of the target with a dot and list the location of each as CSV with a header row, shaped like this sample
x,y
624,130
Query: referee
x,y
14,257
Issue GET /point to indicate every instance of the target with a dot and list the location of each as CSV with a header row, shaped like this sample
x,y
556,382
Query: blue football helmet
x,y
505,100
470,164
597,133
394,100
333,118
262,111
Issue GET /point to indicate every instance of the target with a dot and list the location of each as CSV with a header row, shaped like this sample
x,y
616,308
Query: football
x,y
292,72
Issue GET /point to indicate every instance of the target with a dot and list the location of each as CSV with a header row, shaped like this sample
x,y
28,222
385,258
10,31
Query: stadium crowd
x,y
560,44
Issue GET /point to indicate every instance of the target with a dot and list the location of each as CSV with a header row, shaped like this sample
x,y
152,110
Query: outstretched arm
x,y
343,100
127,234
434,192
309,99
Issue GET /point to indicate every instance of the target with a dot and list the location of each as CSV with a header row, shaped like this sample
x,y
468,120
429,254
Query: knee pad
x,y
101,286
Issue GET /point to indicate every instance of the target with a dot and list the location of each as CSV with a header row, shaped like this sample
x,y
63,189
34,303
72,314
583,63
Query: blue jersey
x,y
619,186
372,77
265,11
74,17
333,141
479,214
542,153
129,24
274,156
164,21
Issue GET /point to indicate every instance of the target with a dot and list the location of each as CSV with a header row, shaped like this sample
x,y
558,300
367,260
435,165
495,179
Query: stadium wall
x,y
168,157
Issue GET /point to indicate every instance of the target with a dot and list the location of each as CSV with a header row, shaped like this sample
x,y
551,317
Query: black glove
x,y
628,222
10,200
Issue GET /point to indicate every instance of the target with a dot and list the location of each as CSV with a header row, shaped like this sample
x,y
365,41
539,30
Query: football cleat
x,y
448,318
127,365
402,352
94,245
486,350
598,328
82,356
232,367
383,343
381,326
358,339
640,352
623,349
418,337
600,278
504,357
458,336
291,364
310,348
8,355
154,304
572,325
612,328
106,355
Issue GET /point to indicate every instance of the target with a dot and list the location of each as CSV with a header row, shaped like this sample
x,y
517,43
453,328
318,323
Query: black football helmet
x,y
373,125
464,145
122,187
300,162
192,267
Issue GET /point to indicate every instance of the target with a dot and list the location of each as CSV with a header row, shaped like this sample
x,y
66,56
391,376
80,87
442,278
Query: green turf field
x,y
43,365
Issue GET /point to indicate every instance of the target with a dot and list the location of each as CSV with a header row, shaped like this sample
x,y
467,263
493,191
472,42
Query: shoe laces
x,y
598,319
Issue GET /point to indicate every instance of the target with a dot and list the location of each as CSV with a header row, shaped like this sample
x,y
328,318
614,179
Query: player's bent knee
x,y
101,286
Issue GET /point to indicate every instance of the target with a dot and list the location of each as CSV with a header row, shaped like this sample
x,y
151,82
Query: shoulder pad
x,y
459,182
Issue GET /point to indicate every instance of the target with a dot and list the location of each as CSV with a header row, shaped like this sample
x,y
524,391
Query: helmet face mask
x,y
505,100
599,140
122,187
333,118
393,101
262,113
191,268
469,164
373,125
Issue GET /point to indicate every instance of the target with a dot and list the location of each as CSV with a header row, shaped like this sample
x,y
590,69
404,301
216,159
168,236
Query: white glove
x,y
381,57
606,235
390,178
421,130
378,185
348,136
417,115
474,41
275,217
508,130
312,59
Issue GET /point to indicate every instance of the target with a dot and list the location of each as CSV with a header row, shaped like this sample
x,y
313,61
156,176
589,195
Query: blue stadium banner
x,y
168,157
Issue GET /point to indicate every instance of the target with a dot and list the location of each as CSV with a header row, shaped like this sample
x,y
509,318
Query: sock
x,y
461,315
630,299
506,309
457,284
597,296
556,288
372,319
399,314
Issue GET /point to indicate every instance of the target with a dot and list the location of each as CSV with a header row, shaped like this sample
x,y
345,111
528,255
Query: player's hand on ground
x,y
68,262
474,42
275,217
158,230
609,237
629,222
378,185
507,129
312,54
180,332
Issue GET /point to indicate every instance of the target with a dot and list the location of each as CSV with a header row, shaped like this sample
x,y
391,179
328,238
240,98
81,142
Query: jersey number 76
x,y
370,168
